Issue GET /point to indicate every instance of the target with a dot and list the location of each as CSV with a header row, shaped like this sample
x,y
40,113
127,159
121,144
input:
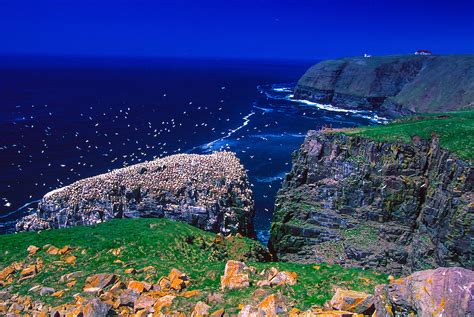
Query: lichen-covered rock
x,y
211,192
200,310
178,280
236,275
273,277
440,292
352,301
395,207
32,249
138,287
98,282
272,305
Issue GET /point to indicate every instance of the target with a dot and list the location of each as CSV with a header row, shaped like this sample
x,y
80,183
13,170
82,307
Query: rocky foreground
x,y
139,267
441,292
211,192
391,206
395,85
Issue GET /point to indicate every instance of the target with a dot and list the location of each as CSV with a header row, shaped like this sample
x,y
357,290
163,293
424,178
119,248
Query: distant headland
x,y
395,85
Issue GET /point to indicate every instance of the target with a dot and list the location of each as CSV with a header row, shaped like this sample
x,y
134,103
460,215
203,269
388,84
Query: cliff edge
x,y
394,206
210,192
395,85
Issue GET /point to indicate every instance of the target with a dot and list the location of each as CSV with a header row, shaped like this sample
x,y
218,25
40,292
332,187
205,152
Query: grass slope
x,y
455,131
422,84
165,244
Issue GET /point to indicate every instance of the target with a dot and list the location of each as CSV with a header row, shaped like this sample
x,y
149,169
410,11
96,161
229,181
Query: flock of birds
x,y
96,140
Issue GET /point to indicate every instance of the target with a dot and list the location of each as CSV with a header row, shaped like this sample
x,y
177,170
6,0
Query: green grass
x,y
455,131
362,235
165,244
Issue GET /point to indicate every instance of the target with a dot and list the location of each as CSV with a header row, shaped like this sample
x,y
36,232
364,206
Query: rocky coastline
x,y
363,226
392,85
211,192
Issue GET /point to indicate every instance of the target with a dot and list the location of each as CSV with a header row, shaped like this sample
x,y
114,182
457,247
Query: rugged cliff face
x,y
211,192
395,207
396,85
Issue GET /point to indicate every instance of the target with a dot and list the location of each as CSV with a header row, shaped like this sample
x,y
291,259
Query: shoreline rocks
x,y
393,207
211,192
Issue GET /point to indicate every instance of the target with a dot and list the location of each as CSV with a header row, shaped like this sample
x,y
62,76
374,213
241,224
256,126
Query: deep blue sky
x,y
237,29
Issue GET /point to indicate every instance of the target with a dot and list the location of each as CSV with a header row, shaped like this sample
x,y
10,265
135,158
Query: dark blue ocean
x,y
63,119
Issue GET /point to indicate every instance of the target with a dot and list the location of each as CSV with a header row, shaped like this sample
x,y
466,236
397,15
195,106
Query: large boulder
x,y
211,192
440,292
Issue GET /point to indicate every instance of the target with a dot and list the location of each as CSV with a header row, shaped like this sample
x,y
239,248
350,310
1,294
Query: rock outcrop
x,y
211,192
440,292
395,85
394,207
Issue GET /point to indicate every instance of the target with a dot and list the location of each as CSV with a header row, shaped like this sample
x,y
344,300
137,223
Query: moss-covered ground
x,y
164,244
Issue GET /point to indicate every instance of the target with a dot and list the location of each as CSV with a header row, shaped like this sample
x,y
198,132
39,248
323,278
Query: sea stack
x,y
211,192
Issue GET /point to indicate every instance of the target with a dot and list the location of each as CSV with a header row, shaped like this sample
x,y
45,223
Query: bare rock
x,y
440,292
352,301
201,309
272,305
236,275
98,282
46,291
96,308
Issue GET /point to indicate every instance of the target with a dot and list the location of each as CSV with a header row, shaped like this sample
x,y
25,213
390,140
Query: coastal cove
x,y
75,118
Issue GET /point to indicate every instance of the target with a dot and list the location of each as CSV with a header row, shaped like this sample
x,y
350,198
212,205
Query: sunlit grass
x,y
454,129
166,244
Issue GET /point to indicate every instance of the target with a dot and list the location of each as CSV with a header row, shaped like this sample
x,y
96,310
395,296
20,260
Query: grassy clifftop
x,y
397,84
454,129
146,249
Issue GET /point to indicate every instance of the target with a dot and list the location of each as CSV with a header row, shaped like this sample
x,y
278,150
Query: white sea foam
x,y
274,135
366,114
211,145
327,107
271,179
375,118
283,89
263,109
19,209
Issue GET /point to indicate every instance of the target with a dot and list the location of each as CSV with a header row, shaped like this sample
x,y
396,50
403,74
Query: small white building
x,y
423,52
